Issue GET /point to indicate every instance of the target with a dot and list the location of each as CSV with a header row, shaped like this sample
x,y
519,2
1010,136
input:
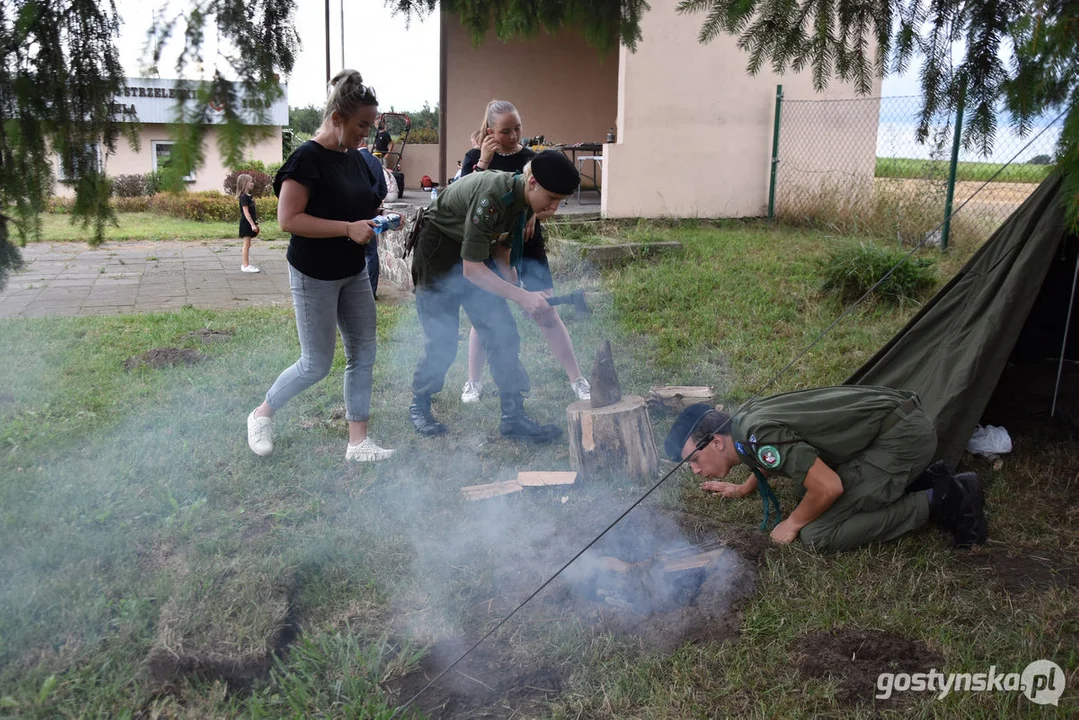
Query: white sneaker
x,y
248,268
471,392
260,434
581,388
367,451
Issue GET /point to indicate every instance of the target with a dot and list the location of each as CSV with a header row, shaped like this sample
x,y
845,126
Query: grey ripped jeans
x,y
323,306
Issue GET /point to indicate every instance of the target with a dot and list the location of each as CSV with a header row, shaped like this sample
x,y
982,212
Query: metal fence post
x,y
957,136
775,156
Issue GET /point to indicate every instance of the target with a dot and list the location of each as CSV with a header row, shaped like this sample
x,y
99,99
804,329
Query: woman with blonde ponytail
x,y
326,200
500,148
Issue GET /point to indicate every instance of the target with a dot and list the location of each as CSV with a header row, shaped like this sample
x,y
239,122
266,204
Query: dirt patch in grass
x,y
1022,569
483,685
210,336
855,658
224,622
163,357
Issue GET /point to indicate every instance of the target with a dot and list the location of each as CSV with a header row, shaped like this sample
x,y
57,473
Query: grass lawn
x,y
57,227
917,169
154,567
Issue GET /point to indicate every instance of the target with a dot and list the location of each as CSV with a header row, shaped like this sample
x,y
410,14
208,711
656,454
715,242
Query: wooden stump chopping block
x,y
612,441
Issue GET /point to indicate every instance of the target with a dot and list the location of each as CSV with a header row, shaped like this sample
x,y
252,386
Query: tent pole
x,y
1064,341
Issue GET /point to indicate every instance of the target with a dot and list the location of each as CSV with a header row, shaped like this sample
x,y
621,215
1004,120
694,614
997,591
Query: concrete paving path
x,y
123,277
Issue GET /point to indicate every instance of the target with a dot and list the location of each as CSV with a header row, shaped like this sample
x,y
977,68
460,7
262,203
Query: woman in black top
x,y
326,201
501,149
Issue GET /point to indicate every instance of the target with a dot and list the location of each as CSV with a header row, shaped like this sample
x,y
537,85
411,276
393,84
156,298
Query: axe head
x,y
575,298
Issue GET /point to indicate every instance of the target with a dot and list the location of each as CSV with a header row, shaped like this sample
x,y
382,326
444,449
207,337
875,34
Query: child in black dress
x,y
249,224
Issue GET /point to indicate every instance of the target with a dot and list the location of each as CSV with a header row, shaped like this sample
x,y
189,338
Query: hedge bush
x,y
130,186
209,206
850,271
263,182
131,204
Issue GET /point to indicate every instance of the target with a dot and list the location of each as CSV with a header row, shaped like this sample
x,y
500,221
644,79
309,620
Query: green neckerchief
x,y
768,498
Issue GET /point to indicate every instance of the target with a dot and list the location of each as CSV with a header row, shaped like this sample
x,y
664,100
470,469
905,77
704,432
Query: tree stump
x,y
612,441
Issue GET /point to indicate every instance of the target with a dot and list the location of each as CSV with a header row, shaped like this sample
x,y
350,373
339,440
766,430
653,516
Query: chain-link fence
x,y
856,166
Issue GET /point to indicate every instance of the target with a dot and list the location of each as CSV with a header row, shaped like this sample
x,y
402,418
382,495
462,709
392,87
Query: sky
x,y
400,62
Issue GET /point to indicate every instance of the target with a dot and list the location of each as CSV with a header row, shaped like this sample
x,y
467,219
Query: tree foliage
x,y
305,119
602,23
833,39
59,75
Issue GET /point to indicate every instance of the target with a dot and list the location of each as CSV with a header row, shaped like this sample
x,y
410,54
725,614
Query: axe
x,y
575,298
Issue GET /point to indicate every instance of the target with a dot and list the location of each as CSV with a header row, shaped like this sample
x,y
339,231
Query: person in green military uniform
x,y
481,217
861,456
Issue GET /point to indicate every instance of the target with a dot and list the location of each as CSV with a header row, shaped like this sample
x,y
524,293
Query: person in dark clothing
x,y
383,141
478,218
327,198
249,221
861,457
500,148
380,189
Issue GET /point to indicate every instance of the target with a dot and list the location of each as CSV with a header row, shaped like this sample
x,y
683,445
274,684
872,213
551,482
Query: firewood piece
x,y
490,490
675,398
613,564
699,560
605,388
612,441
542,478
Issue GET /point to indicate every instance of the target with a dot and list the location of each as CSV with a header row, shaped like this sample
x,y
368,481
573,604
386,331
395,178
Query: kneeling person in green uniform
x,y
860,454
478,218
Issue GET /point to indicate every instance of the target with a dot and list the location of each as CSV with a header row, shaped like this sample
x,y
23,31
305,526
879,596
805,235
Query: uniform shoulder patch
x,y
769,456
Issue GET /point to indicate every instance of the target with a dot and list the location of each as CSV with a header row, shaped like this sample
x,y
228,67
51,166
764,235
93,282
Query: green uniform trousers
x,y
874,506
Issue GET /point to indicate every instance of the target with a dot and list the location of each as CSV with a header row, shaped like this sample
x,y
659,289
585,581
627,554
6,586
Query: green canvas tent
x,y
1004,313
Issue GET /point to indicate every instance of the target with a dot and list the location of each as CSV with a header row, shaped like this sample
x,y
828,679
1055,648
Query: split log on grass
x,y
612,441
692,562
676,398
543,478
490,490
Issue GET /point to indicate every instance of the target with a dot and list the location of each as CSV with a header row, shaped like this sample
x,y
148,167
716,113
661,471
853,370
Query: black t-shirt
x,y
249,201
339,187
382,141
535,247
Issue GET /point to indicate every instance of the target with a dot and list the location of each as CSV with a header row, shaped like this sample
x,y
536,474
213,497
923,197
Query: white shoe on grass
x,y
367,451
249,269
582,389
260,434
471,392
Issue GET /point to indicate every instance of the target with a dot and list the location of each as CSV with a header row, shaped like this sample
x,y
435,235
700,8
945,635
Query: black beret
x,y
555,173
684,425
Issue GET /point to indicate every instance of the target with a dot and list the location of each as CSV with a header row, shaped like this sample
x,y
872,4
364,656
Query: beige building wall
x,y
695,130
420,160
563,88
211,176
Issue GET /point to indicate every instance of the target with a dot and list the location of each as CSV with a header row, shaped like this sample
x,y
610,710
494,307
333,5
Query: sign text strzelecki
x,y
153,100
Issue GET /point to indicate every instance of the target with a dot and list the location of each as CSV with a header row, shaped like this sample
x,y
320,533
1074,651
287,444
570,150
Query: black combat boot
x,y
958,506
515,424
419,412
929,477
